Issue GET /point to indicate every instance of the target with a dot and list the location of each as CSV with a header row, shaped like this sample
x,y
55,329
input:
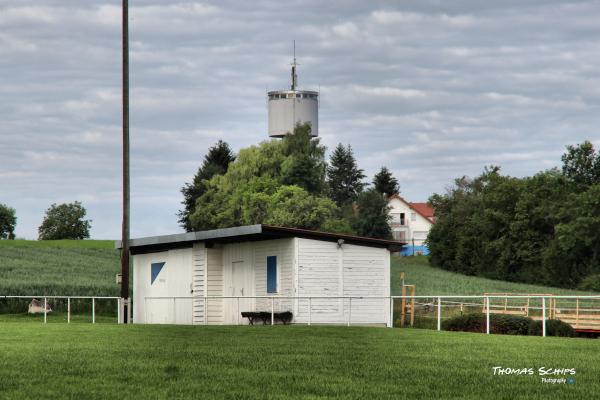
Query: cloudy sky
x,y
432,89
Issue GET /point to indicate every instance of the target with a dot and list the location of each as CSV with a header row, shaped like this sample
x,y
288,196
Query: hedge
x,y
499,323
554,327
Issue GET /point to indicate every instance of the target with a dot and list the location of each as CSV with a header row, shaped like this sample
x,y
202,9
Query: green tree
x,y
344,178
256,189
216,161
581,164
575,251
65,221
8,222
304,165
385,183
373,215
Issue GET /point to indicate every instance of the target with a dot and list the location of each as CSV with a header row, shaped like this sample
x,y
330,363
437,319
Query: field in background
x,y
150,362
65,267
59,268
62,244
435,281
88,268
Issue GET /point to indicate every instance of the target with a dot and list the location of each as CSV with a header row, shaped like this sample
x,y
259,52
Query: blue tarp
x,y
418,250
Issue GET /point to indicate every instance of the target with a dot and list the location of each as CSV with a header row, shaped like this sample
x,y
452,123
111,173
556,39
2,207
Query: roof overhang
x,y
248,233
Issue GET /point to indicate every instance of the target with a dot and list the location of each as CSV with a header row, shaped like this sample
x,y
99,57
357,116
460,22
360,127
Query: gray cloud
x,y
434,90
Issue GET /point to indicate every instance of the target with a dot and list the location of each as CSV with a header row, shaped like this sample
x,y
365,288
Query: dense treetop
x,y
540,229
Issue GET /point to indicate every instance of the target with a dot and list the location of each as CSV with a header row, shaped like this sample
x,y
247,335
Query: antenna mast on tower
x,y
294,75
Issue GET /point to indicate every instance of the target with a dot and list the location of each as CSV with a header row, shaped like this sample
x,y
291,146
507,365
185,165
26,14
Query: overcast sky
x,y
432,89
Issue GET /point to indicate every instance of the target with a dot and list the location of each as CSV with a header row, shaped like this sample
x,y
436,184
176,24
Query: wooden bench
x,y
284,317
580,321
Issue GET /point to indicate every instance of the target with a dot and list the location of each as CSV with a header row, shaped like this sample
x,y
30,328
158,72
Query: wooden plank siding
x,y
283,249
198,282
324,269
366,274
319,275
214,285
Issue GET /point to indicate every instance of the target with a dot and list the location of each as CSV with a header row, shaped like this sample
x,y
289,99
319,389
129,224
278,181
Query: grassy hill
x,y
435,281
88,267
63,267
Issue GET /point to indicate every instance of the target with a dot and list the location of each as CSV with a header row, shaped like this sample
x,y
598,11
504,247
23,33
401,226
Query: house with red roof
x,y
410,223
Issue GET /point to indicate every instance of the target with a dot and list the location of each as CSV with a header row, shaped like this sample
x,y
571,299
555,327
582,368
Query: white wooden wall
x,y
284,250
174,280
324,269
199,282
366,273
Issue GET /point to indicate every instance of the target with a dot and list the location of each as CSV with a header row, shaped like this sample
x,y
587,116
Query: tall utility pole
x,y
125,232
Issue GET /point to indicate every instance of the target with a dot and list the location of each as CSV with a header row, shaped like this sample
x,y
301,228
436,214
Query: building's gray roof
x,y
249,233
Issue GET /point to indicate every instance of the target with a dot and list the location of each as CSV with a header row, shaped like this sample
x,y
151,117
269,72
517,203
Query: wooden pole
x,y
403,307
126,189
412,307
577,313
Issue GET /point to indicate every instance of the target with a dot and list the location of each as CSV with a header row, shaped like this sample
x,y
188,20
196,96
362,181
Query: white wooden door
x,y
239,287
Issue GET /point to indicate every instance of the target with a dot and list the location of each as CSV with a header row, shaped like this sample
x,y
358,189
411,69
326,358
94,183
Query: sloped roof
x,y
249,233
423,209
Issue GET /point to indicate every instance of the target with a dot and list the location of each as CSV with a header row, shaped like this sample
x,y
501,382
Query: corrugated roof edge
x,y
344,236
247,230
193,236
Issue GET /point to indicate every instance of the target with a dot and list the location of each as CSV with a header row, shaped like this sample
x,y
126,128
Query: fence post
x,y
238,310
439,314
119,310
93,310
45,309
391,322
487,315
350,311
68,310
205,310
174,311
272,310
309,312
543,316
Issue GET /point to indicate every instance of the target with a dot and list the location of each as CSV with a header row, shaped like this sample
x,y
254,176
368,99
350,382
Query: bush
x,y
499,323
554,327
591,283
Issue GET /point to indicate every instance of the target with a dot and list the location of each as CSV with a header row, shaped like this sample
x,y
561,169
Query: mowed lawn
x,y
184,362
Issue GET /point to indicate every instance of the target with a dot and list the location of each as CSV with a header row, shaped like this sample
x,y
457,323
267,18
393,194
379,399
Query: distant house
x,y
410,223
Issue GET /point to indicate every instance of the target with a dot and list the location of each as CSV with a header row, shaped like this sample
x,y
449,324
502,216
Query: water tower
x,y
290,107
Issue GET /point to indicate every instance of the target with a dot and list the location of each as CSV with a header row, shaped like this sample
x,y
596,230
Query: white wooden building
x,y
210,277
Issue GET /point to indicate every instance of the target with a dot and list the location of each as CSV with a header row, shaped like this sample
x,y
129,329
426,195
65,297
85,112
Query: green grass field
x,y
435,281
181,362
64,267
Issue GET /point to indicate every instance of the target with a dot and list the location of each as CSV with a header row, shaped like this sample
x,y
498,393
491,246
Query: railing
x,y
68,300
540,307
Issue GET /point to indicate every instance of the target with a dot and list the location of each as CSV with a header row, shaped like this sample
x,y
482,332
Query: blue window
x,y
155,269
272,274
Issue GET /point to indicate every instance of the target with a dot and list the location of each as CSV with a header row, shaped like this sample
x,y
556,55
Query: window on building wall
x,y
402,219
399,235
272,274
413,217
155,269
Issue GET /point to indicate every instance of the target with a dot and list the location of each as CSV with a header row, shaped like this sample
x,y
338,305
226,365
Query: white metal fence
x,y
47,299
435,308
